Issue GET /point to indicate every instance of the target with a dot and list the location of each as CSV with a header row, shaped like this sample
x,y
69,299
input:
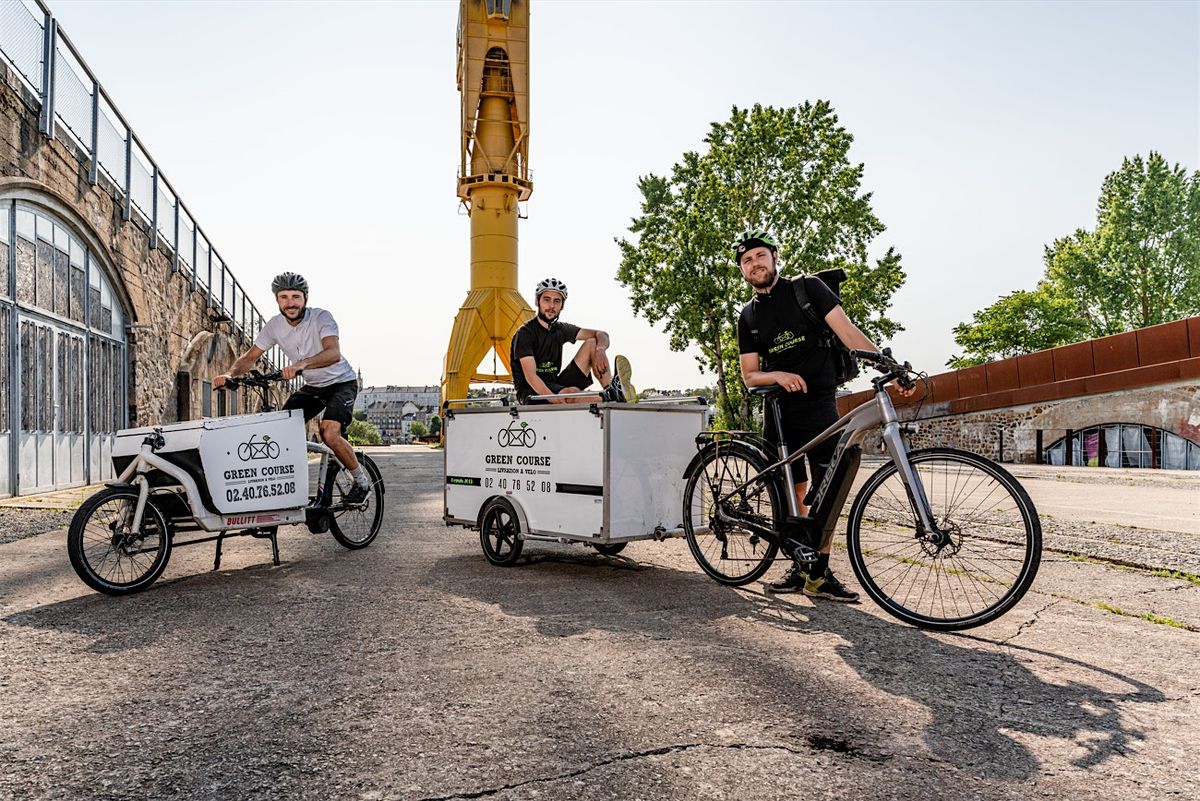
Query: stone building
x,y
115,309
426,397
394,418
1129,400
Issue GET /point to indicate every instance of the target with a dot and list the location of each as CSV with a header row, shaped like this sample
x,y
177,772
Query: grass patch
x,y
1157,572
1161,620
1177,574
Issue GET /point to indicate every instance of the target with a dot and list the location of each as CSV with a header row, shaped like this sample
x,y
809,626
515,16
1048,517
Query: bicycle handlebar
x,y
885,363
257,379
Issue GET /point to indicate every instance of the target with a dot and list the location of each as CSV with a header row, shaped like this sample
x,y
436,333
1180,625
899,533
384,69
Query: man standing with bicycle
x,y
778,343
309,337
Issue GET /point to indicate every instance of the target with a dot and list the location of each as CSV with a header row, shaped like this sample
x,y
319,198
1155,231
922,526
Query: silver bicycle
x,y
940,538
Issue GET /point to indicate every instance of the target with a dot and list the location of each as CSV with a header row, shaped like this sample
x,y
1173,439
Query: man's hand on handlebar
x,y
221,380
291,371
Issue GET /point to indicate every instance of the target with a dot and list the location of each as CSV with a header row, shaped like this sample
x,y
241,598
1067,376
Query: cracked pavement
x,y
414,670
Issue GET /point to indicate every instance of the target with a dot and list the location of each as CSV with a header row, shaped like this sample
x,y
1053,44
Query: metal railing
x,y
75,105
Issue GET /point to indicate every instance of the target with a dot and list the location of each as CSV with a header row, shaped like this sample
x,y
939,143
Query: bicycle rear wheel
x,y
990,557
355,527
728,553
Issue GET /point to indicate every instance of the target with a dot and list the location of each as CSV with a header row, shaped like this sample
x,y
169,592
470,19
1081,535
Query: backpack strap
x,y
801,293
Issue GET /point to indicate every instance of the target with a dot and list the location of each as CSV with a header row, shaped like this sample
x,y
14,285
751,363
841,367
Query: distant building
x,y
394,418
426,397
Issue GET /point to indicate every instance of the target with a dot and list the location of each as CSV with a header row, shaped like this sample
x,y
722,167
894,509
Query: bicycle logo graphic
x,y
522,437
264,448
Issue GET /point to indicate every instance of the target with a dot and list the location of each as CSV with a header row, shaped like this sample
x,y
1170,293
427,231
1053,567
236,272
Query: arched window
x,y
63,384
1125,445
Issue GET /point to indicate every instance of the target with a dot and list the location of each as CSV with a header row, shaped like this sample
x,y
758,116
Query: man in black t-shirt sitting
x,y
536,355
785,352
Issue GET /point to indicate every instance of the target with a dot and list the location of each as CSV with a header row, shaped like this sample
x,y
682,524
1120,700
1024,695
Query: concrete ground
x,y
414,670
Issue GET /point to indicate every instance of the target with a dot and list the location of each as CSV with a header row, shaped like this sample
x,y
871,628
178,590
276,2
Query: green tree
x,y
435,425
360,432
783,169
1020,322
1140,266
360,414
418,429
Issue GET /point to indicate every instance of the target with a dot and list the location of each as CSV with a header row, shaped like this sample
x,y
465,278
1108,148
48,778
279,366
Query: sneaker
x,y
792,581
827,586
357,494
625,373
614,392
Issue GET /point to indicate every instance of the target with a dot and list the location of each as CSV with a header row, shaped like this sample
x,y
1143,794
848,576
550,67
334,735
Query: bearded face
x,y
758,267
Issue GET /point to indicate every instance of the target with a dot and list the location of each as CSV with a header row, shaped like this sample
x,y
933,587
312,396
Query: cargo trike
x,y
230,476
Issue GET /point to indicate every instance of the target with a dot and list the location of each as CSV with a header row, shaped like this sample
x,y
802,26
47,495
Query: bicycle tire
x,y
499,533
610,549
357,528
986,567
718,552
106,565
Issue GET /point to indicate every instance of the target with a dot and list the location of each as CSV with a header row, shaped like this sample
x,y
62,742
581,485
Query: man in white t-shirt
x,y
309,337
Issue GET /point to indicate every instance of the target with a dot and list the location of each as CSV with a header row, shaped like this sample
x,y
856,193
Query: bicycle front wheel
x,y
105,550
356,526
727,552
988,556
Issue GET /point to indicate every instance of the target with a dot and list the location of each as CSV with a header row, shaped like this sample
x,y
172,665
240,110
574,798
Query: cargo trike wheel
x,y
499,533
105,550
611,549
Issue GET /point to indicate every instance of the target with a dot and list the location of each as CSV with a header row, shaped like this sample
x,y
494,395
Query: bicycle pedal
x,y
800,553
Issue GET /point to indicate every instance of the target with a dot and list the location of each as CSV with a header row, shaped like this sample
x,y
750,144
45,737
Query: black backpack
x,y
845,366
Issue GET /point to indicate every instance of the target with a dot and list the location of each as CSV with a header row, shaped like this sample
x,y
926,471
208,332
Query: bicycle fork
x,y
896,448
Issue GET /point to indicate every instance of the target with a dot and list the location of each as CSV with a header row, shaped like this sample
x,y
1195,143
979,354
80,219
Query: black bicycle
x,y
940,538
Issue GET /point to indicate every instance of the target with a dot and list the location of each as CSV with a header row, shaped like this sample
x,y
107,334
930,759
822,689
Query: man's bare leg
x,y
331,435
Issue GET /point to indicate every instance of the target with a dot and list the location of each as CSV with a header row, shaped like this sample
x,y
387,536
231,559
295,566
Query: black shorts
x,y
336,400
571,376
804,416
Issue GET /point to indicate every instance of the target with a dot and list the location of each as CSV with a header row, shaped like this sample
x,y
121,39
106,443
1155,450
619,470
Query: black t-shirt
x,y
545,346
787,338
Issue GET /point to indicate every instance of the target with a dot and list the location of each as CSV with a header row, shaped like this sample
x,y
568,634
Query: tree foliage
x,y
1140,266
360,432
783,169
418,429
1020,322
435,425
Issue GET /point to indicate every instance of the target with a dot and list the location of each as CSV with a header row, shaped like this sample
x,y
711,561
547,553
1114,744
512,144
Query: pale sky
x,y
322,138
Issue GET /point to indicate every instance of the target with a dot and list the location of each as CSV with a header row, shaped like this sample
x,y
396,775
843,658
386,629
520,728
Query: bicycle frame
x,y
854,427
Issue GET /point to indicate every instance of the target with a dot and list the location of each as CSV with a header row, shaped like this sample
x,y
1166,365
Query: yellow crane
x,y
493,82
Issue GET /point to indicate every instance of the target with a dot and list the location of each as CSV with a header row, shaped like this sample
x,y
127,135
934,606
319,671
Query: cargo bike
x,y
221,477
600,474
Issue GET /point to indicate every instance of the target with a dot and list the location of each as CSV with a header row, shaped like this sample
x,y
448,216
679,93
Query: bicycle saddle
x,y
771,389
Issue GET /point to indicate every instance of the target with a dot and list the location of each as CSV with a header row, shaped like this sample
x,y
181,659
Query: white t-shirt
x,y
303,340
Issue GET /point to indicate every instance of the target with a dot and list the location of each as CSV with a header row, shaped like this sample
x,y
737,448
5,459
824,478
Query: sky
x,y
323,138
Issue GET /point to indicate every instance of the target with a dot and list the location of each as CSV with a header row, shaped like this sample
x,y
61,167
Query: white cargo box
x,y
245,463
601,473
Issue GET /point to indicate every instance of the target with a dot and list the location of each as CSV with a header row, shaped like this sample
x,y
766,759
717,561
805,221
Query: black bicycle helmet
x,y
289,280
749,240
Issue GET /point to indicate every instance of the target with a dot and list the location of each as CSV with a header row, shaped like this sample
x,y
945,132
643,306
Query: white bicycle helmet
x,y
551,284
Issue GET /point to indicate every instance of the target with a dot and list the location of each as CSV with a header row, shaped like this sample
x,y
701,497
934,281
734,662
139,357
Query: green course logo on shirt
x,y
784,341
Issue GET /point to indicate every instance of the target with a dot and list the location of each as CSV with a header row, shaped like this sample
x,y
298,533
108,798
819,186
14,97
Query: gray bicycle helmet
x,y
289,280
552,284
750,240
